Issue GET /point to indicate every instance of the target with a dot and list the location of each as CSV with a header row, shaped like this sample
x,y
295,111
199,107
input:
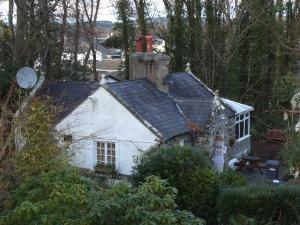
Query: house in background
x,y
112,122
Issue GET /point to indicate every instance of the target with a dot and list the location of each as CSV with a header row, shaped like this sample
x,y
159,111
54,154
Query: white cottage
x,y
109,123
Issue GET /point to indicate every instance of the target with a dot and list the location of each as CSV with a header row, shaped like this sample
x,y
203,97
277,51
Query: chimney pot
x,y
149,42
139,39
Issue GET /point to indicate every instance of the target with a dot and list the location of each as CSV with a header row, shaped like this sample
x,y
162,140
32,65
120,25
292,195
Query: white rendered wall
x,y
106,120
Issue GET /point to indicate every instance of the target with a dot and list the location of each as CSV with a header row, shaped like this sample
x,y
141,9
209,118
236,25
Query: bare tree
x,y
20,33
77,31
63,26
91,9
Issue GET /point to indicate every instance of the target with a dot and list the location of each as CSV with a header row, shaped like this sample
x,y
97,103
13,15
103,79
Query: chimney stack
x,y
153,66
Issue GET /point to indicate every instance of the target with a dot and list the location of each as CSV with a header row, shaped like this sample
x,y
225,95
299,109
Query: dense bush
x,y
198,193
172,163
188,170
231,178
264,204
64,197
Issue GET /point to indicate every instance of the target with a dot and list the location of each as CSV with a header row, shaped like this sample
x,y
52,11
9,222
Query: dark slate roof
x,y
151,106
67,95
166,114
187,87
197,113
188,101
192,96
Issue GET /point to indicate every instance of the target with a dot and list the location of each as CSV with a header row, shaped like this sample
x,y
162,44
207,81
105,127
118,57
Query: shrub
x,y
188,170
170,163
41,151
265,204
232,178
198,193
64,197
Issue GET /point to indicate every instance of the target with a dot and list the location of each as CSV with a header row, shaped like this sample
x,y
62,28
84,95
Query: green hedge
x,y
264,204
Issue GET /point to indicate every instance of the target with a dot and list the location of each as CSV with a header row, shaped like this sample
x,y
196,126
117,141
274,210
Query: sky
x,y
106,11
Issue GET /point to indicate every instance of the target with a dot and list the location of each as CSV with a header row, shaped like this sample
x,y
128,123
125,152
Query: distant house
x,y
108,53
159,44
112,122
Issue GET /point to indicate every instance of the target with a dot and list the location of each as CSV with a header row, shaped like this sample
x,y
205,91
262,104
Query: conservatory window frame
x,y
242,123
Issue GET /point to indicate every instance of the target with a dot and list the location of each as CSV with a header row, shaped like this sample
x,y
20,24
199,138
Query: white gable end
x,y
103,118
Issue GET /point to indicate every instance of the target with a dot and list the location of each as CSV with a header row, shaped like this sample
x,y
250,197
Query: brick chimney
x,y
153,66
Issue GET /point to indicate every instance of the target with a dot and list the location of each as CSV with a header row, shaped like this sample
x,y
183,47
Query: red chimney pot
x,y
149,42
139,39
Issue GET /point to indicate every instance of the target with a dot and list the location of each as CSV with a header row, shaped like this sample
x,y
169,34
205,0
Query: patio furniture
x,y
250,163
276,135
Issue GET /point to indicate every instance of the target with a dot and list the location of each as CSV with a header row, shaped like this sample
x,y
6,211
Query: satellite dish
x,y
26,77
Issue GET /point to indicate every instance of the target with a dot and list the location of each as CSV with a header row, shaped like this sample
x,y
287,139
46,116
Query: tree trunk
x,y
10,23
21,29
76,35
63,28
140,6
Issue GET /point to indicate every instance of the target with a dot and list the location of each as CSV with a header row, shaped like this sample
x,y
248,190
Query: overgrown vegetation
x,y
39,187
64,197
188,170
261,204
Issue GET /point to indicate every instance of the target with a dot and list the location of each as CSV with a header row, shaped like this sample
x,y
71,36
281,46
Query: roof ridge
x,y
73,81
127,82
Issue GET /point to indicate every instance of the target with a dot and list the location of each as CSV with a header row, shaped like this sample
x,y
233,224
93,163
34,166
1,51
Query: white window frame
x,y
238,121
108,159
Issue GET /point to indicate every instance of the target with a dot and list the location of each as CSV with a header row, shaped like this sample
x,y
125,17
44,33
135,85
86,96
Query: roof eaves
x,y
144,122
228,103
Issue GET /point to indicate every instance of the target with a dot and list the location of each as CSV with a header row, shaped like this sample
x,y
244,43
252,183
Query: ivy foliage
x,y
64,197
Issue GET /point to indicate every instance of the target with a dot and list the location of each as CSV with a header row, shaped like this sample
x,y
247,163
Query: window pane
x,y
68,139
242,129
246,126
101,158
237,131
106,152
247,114
100,152
242,117
237,118
102,145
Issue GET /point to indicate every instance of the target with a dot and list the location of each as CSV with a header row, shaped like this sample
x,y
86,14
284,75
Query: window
x,y
181,142
68,139
106,153
242,125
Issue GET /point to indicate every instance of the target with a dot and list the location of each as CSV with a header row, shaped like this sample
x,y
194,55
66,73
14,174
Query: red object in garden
x,y
149,42
276,135
139,40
